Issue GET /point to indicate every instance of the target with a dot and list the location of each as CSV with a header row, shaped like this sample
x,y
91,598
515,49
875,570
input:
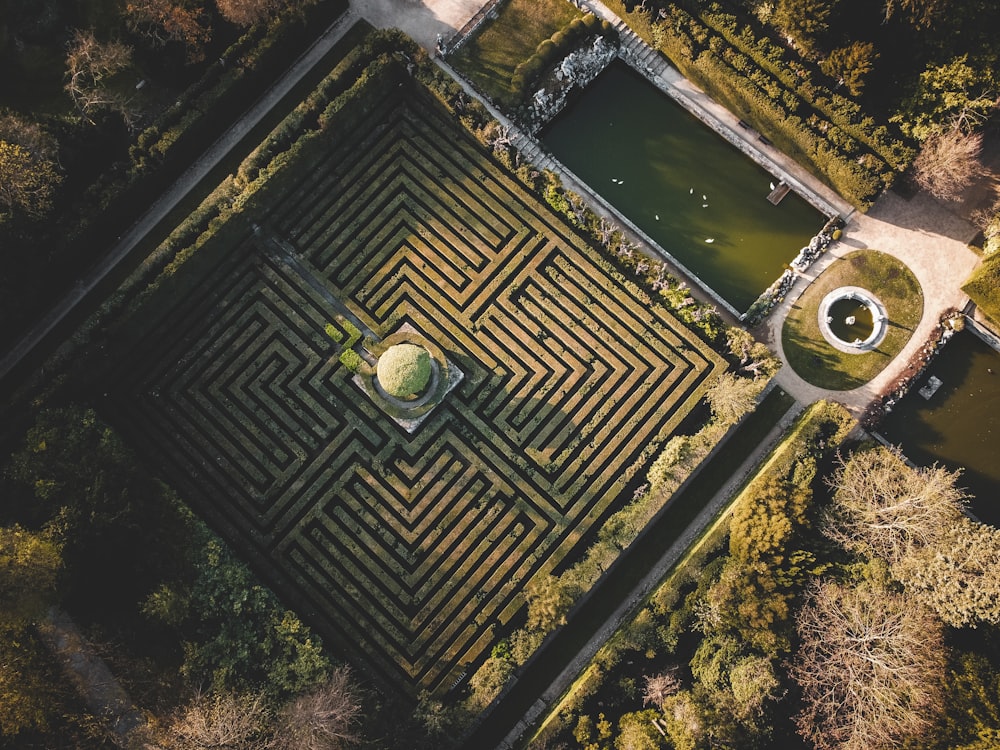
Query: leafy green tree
x,y
803,20
687,726
959,93
27,694
27,183
920,14
549,599
29,568
248,12
851,65
236,633
972,700
959,578
754,684
489,680
637,731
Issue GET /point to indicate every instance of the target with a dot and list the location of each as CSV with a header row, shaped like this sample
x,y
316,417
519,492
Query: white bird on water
x,y
656,216
691,191
710,240
704,197
772,186
704,205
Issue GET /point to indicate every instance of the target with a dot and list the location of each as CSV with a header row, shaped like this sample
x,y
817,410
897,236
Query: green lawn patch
x,y
822,365
489,59
983,287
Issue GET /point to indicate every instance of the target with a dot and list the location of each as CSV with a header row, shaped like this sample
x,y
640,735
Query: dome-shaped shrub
x,y
403,370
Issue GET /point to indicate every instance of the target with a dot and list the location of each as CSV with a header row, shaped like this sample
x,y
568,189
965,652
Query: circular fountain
x,y
852,319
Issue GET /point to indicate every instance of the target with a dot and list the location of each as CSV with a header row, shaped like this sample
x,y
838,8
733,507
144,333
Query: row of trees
x,y
872,664
836,620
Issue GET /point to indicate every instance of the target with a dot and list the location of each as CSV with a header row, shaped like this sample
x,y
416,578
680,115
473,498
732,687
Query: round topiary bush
x,y
403,370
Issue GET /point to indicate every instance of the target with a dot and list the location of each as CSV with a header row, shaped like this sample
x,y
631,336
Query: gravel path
x,y
926,236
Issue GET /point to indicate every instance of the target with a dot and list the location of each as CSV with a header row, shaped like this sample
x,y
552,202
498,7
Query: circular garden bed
x,y
819,363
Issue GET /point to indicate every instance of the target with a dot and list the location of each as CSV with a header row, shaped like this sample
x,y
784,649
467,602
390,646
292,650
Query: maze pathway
x,y
409,549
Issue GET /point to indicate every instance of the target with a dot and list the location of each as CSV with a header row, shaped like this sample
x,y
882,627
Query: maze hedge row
x,y
406,549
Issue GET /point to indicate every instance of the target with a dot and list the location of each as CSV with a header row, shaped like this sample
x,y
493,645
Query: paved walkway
x,y
931,240
102,693
422,21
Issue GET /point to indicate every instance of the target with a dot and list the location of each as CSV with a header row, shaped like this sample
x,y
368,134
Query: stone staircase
x,y
637,53
532,151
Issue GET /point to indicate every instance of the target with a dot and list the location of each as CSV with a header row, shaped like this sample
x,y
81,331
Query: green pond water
x,y
682,184
861,326
960,425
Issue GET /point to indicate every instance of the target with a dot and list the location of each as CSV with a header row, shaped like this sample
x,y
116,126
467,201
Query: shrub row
x,y
203,111
340,101
553,49
757,527
756,80
983,287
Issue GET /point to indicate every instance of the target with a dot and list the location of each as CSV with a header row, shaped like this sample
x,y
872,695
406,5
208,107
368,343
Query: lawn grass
x,y
489,59
819,363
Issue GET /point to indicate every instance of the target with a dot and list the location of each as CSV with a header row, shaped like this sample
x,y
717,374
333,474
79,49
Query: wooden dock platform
x,y
779,192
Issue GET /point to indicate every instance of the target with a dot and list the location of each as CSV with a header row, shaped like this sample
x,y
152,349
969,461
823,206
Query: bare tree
x,y
948,162
247,12
883,508
90,66
224,721
659,687
326,718
871,668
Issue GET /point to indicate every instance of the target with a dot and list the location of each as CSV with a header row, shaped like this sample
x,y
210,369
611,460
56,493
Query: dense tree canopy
x,y
961,93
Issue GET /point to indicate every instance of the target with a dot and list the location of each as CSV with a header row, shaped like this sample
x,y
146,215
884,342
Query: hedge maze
x,y
408,549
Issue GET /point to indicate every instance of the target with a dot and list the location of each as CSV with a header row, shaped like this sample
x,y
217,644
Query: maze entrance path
x,y
409,549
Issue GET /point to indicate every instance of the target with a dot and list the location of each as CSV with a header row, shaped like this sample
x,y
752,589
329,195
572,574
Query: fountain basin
x,y
852,320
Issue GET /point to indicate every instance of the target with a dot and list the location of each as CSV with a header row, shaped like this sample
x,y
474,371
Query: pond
x,y
851,320
699,198
960,424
